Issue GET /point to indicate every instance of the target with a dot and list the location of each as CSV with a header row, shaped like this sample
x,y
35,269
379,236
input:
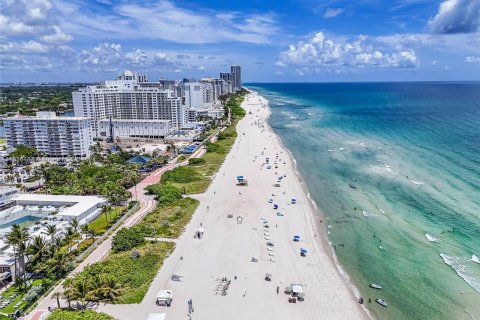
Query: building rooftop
x,y
78,204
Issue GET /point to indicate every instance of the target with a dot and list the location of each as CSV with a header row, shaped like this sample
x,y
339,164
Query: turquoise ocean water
x,y
395,167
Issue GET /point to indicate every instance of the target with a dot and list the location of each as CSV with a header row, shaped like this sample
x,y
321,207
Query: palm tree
x,y
51,231
57,295
69,234
10,179
36,249
81,293
92,233
85,229
105,288
106,210
110,289
18,238
59,264
67,293
28,169
74,224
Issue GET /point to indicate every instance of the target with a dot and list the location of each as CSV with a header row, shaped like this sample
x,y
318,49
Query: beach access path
x,y
147,204
227,246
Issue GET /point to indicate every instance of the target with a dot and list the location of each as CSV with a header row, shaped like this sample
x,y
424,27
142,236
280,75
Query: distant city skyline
x,y
291,41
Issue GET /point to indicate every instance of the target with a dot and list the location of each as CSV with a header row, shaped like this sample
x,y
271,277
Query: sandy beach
x,y
228,246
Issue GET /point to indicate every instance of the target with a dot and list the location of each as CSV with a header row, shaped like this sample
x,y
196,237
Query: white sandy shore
x,y
227,246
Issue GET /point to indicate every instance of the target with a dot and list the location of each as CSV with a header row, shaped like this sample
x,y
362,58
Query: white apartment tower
x,y
57,137
237,77
129,97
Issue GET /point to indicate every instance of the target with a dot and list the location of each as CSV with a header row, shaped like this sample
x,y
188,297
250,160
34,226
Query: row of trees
x,y
88,290
28,100
110,178
46,254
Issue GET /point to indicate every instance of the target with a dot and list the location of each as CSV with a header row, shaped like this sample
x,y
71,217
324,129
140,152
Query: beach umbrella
x,y
275,206
302,250
296,237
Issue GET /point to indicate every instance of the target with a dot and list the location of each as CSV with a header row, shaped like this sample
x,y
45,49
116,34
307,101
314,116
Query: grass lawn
x,y
101,223
170,220
134,275
77,315
14,290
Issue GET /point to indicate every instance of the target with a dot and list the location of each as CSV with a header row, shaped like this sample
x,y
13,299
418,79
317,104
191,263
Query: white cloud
x,y
162,58
333,12
164,20
57,37
137,57
456,16
321,53
23,47
472,59
105,54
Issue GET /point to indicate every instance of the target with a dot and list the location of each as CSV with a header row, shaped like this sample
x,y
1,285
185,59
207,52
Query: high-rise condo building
x,y
131,96
227,85
237,77
57,137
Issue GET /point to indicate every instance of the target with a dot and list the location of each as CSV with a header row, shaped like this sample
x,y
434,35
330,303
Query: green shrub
x,y
196,161
133,275
126,239
165,193
33,293
78,315
180,175
215,147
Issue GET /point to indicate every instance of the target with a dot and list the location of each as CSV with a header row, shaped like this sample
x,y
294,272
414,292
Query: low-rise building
x,y
122,128
7,195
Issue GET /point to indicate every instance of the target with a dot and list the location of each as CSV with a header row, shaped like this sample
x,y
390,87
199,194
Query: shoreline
x,y
318,219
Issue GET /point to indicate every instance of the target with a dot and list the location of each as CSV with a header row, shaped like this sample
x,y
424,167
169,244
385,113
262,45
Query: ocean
x,y
395,167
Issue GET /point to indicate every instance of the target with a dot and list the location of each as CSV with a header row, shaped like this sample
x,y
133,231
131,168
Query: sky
x,y
273,41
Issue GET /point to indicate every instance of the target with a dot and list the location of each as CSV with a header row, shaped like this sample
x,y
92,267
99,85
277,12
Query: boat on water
x,y
381,302
375,286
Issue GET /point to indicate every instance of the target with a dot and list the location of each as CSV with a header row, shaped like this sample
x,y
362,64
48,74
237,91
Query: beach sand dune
x,y
227,246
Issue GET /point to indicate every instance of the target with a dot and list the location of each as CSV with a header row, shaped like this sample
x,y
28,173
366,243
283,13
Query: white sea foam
x,y
314,204
456,263
368,214
381,211
341,149
418,183
430,238
475,259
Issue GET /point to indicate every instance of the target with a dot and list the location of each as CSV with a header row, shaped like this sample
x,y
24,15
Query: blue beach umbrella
x,y
302,250
296,237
